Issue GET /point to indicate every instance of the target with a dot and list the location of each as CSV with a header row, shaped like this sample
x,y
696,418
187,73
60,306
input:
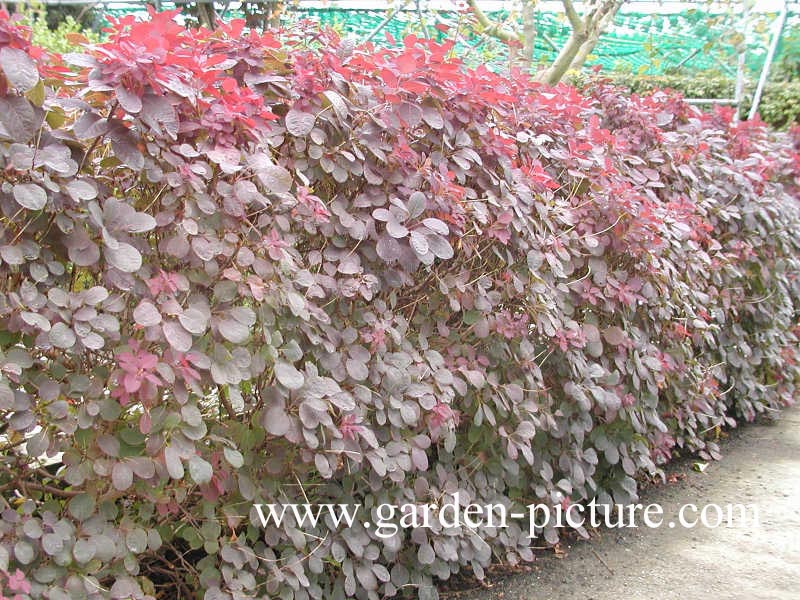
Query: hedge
x,y
246,268
779,107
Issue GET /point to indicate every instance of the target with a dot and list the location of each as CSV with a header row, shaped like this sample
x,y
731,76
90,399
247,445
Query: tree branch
x,y
553,74
493,29
528,34
226,403
583,39
572,14
604,16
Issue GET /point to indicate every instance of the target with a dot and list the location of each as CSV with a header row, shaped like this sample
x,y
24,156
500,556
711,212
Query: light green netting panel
x,y
647,43
642,43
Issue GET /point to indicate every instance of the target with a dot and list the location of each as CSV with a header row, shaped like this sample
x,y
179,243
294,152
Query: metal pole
x,y
739,93
688,58
422,21
710,101
762,81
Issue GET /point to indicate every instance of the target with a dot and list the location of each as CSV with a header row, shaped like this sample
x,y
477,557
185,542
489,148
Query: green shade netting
x,y
652,44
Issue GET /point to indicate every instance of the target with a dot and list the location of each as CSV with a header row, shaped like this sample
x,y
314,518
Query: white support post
x,y
739,91
762,81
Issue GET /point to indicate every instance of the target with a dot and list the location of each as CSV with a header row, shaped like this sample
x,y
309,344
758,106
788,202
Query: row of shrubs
x,y
779,106
58,31
244,268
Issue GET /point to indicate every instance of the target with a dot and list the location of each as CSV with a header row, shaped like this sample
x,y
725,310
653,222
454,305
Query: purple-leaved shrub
x,y
243,268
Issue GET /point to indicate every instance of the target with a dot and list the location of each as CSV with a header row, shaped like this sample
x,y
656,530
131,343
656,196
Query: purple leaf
x,y
388,249
395,229
357,370
172,458
90,125
146,314
276,421
614,335
125,147
299,123
288,376
416,204
419,243
125,257
30,196
157,112
194,321
233,330
19,68
61,336
18,119
200,470
433,117
436,226
439,246
177,336
121,476
275,179
128,99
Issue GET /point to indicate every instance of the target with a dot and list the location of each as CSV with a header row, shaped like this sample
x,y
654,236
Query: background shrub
x,y
779,107
61,28
244,268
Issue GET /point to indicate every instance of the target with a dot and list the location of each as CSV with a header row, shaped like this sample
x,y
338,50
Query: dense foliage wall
x,y
238,268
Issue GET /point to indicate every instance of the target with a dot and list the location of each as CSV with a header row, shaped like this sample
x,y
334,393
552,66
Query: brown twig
x,y
49,489
600,558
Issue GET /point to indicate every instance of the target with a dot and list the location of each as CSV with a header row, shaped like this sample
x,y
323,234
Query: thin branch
x,y
226,403
492,28
385,22
550,42
11,445
49,489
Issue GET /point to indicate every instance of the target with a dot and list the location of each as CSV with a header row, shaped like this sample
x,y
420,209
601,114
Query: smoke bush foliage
x,y
242,268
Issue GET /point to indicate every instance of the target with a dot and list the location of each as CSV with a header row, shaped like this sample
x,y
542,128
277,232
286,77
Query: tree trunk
x,y
528,33
206,16
584,52
553,74
585,35
594,36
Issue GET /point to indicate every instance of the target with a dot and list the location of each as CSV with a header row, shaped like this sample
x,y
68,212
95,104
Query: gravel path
x,y
760,465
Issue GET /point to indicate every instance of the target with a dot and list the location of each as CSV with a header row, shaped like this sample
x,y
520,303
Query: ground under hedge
x,y
242,268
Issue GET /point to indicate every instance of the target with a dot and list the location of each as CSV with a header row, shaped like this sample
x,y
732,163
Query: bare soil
x,y
760,465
